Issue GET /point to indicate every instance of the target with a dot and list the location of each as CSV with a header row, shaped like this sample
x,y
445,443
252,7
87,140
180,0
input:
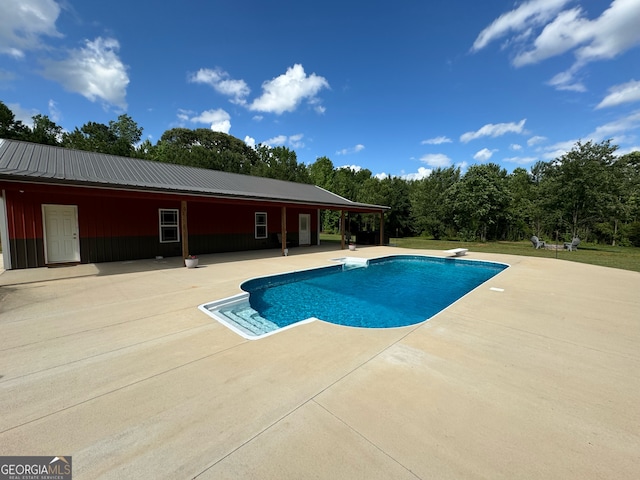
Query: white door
x,y
304,230
61,243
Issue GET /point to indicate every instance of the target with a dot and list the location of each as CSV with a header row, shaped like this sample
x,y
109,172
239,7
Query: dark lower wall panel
x,y
117,249
27,252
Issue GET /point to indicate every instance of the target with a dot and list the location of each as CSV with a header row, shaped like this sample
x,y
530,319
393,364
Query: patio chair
x,y
289,242
537,243
573,245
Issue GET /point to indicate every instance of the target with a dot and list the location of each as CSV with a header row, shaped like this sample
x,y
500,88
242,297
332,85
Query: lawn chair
x,y
537,243
573,245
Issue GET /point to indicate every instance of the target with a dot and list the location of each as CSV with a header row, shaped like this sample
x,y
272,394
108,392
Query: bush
x,y
633,234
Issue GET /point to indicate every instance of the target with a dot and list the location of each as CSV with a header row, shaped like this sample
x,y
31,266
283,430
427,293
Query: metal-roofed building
x,y
66,206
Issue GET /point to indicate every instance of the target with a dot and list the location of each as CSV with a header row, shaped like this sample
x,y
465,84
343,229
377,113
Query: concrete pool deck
x,y
114,365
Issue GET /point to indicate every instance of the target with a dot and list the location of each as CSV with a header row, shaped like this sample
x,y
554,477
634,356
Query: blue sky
x,y
397,88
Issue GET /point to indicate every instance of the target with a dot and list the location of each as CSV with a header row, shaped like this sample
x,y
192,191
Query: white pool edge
x,y
359,261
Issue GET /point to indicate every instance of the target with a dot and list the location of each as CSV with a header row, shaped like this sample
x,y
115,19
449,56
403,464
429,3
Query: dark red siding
x,y
119,225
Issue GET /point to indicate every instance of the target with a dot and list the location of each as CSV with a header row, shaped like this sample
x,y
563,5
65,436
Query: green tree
x,y
117,138
479,202
322,173
45,131
581,185
431,213
280,163
92,136
392,192
10,128
204,148
625,195
146,150
520,210
127,134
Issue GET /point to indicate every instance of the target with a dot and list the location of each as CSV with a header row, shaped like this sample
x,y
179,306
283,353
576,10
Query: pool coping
x,y
214,307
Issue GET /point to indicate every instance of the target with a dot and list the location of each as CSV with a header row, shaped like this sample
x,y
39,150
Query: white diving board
x,y
457,252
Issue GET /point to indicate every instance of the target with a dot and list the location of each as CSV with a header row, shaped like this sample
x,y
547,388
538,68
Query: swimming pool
x,y
386,292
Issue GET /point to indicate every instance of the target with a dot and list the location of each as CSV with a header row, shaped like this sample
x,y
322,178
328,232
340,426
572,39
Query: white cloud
x,y
278,140
250,141
24,22
348,151
184,115
218,120
619,94
626,150
522,160
382,176
515,147
564,33
54,113
557,149
419,175
436,160
484,155
614,32
94,71
566,81
436,141
23,114
296,140
561,31
532,13
221,82
617,127
494,130
536,140
462,166
285,92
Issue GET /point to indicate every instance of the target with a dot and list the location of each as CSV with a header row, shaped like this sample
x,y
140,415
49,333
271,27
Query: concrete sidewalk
x,y
114,365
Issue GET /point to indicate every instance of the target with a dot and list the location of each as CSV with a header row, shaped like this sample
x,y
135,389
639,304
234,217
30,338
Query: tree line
x,y
589,192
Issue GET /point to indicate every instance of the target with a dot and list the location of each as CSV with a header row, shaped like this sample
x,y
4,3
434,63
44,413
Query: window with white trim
x,y
261,225
169,226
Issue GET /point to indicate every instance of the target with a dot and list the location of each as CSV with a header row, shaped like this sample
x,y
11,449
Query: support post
x,y
283,228
381,227
342,229
183,229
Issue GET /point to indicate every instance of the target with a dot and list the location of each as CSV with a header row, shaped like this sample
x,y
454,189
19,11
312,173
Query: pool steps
x,y
247,318
236,313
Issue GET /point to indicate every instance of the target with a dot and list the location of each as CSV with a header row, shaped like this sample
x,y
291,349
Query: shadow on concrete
x,y
45,274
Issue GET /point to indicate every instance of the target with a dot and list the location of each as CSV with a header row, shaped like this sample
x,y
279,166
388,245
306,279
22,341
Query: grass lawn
x,y
627,258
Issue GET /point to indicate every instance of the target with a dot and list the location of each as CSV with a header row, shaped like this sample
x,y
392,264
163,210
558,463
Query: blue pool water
x,y
386,292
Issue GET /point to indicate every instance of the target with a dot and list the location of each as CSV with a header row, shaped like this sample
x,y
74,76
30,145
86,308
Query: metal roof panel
x,y
35,162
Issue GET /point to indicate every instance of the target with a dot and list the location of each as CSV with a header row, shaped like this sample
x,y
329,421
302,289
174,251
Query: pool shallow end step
x,y
236,314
